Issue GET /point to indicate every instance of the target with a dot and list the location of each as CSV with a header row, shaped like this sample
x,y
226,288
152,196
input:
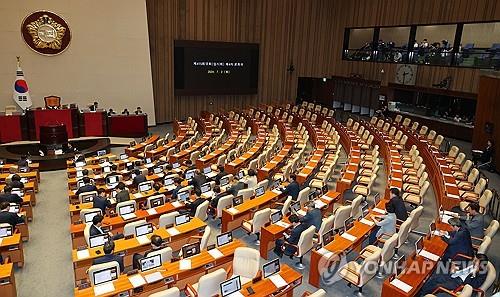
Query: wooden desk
x,y
12,247
279,160
130,246
201,264
234,166
180,134
186,153
32,166
7,280
212,157
139,148
266,287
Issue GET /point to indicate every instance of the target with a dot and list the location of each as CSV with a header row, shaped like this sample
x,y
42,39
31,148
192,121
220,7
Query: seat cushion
x,y
369,250
247,225
347,274
412,198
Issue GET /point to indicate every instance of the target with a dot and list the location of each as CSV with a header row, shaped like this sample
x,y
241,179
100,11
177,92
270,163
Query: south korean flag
x,y
21,92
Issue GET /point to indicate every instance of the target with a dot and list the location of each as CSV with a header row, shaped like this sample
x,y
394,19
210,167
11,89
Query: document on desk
x,y
173,231
153,277
278,281
104,288
401,285
128,216
83,254
137,195
185,264
325,253
327,198
143,239
381,211
151,211
366,222
233,210
177,204
348,236
282,224
319,204
137,280
215,253
276,191
429,255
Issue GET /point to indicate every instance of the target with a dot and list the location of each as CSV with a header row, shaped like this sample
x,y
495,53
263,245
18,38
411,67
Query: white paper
x,y
236,294
429,255
153,277
151,211
143,239
278,281
128,216
233,210
83,254
366,222
301,212
276,191
379,210
348,236
446,218
185,264
104,288
319,204
282,224
326,253
137,195
327,198
173,231
215,253
137,280
176,204
401,285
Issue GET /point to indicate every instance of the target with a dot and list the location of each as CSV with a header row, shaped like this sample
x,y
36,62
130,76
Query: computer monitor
x,y
224,238
183,196
79,173
376,199
295,207
176,165
241,174
157,170
98,240
190,250
312,195
147,161
90,215
6,231
80,183
207,170
237,200
419,245
105,275
129,166
132,143
126,209
205,188
365,209
328,237
168,181
150,262
144,187
182,219
101,153
190,173
143,229
112,179
158,201
276,183
348,224
271,268
113,194
80,164
230,286
14,208
123,156
276,216
103,160
106,169
224,181
399,265
259,191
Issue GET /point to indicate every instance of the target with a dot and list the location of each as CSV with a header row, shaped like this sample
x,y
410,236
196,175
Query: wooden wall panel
x,y
307,33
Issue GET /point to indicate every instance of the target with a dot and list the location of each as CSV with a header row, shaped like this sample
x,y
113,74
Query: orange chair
x,y
52,102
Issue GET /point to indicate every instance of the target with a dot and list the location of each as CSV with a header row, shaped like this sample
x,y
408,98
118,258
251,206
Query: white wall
x,y
108,57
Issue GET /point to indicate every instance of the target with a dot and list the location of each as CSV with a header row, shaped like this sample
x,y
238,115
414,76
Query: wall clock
x,y
406,74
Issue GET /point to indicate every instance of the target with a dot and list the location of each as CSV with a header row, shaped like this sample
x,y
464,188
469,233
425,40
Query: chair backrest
x,y
424,188
340,215
423,130
460,159
356,210
414,126
223,203
480,186
172,292
205,237
165,254
473,175
368,268
201,211
98,267
83,212
431,135
373,120
415,215
208,285
388,249
263,183
167,219
490,277
246,193
52,101
246,262
286,205
398,118
467,166
86,233
439,141
306,242
303,196
492,229
129,228
484,246
404,230
260,218
326,225
453,151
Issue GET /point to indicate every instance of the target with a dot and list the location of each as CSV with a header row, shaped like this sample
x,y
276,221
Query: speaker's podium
x,y
54,138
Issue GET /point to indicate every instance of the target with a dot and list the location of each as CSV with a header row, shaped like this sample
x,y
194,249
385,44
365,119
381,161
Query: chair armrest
x,y
306,293
6,260
229,272
461,255
479,292
441,289
190,291
353,272
289,244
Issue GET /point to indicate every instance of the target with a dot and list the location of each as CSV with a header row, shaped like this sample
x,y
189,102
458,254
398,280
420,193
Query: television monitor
x,y
105,275
328,237
271,268
106,169
132,143
176,165
157,170
129,166
80,164
259,191
276,183
148,161
399,265
155,202
224,181
190,250
419,245
18,192
182,219
14,208
295,206
112,179
224,238
230,286
168,181
205,188
98,240
143,229
150,262
79,173
376,199
123,156
241,174
207,170
348,224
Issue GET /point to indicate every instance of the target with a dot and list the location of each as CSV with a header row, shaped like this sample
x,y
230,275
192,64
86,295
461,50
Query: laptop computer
x,y
230,286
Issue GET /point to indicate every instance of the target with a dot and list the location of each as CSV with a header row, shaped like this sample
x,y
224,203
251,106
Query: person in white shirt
x,y
250,180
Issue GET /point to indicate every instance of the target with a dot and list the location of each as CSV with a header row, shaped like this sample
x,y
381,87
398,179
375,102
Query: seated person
x,y
138,178
114,171
157,187
293,188
15,182
191,206
156,244
138,110
85,172
96,228
9,197
385,224
250,180
111,112
125,112
101,201
8,217
313,216
123,193
283,245
220,173
459,241
94,106
215,200
87,187
399,204
23,162
189,165
169,169
109,248
474,220
198,180
178,186
474,275
235,187
484,156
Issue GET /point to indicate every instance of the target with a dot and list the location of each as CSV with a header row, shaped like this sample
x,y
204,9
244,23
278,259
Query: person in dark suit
x,y
109,248
138,178
473,221
9,197
87,187
96,228
459,241
9,217
123,194
23,162
189,165
114,171
474,275
215,200
156,244
15,182
398,204
293,187
313,216
178,186
192,206
198,180
220,173
101,201
169,169
285,246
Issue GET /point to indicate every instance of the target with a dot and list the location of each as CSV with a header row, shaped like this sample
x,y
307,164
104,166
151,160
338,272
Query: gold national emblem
x,y
46,32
